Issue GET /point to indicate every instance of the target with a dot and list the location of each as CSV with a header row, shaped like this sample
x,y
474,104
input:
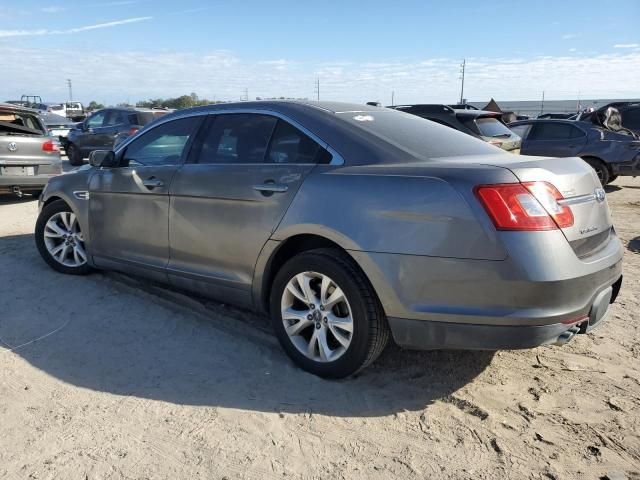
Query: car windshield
x,y
492,127
415,135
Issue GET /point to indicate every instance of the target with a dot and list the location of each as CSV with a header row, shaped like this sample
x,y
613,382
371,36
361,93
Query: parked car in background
x,y
58,109
609,153
57,126
349,224
29,157
105,128
629,115
75,111
560,116
487,126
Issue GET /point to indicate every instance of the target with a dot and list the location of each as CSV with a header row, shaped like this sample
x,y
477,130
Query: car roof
x,y
17,108
442,108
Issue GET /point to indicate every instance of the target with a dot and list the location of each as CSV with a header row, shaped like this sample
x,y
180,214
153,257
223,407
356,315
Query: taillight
x,y
133,131
525,206
51,146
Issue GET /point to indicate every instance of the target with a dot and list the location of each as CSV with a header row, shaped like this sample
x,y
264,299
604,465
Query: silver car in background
x,y
29,156
349,224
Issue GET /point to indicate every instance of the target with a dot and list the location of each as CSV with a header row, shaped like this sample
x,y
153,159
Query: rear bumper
x,y
631,168
532,297
24,183
426,335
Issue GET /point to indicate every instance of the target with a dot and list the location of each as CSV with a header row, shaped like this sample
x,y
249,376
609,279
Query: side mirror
x,y
103,159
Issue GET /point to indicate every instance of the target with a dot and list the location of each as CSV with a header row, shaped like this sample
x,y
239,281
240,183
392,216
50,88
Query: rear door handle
x,y
152,183
269,188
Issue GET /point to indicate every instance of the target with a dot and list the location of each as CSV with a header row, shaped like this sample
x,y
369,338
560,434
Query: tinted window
x,y
631,118
415,135
237,138
163,145
290,145
555,131
521,130
491,127
96,120
114,117
142,118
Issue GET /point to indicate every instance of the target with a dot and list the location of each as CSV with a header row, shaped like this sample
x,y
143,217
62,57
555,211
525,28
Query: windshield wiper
x,y
501,135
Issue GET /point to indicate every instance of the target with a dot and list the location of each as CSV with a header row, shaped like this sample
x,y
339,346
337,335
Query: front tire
x,y
60,240
326,314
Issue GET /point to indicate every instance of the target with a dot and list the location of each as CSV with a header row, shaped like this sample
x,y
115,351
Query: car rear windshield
x,y
417,136
143,118
19,123
492,127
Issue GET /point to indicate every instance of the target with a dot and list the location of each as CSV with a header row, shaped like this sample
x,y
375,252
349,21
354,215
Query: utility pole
x,y
462,66
542,104
317,88
70,90
246,94
392,95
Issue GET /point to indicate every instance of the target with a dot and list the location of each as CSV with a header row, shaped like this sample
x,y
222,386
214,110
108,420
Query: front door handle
x,y
270,188
152,183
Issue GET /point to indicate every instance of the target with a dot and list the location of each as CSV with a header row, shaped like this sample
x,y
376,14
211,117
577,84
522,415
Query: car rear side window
x,y
237,138
492,127
631,119
521,130
163,145
555,131
290,145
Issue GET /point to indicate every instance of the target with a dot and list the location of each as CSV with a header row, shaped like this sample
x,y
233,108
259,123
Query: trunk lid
x,y
24,150
582,191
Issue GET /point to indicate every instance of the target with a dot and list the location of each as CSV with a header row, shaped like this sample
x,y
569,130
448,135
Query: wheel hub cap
x,y
317,317
64,240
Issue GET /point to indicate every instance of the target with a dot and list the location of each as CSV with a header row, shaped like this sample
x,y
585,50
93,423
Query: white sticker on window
x,y
364,118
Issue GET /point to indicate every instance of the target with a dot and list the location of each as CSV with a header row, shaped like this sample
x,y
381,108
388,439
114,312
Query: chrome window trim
x,y
336,159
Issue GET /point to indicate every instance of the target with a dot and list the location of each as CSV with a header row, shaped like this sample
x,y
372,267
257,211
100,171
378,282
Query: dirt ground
x,y
103,379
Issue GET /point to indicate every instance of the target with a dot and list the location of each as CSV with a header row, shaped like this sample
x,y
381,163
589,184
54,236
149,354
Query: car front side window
x,y
162,145
96,120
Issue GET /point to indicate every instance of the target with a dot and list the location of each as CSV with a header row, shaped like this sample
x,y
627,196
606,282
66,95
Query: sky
x,y
129,50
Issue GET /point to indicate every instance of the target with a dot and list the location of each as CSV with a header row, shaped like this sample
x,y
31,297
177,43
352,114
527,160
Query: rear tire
x,y
365,333
60,240
75,158
601,169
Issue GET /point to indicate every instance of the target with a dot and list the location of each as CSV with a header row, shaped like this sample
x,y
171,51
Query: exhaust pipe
x,y
566,336
17,191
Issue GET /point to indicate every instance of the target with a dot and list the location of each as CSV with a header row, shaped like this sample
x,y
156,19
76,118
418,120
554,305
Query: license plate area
x,y
17,171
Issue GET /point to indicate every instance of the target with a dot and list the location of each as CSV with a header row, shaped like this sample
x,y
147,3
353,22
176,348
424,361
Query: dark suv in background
x,y
481,124
609,153
105,129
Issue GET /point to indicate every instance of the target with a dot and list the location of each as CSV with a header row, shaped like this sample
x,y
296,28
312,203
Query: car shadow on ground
x,y
101,334
612,188
634,245
11,199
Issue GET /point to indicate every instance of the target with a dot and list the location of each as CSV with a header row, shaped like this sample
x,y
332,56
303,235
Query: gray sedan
x,y
349,224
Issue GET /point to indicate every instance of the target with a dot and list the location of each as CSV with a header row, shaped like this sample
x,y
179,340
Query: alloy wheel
x,y
317,317
64,239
